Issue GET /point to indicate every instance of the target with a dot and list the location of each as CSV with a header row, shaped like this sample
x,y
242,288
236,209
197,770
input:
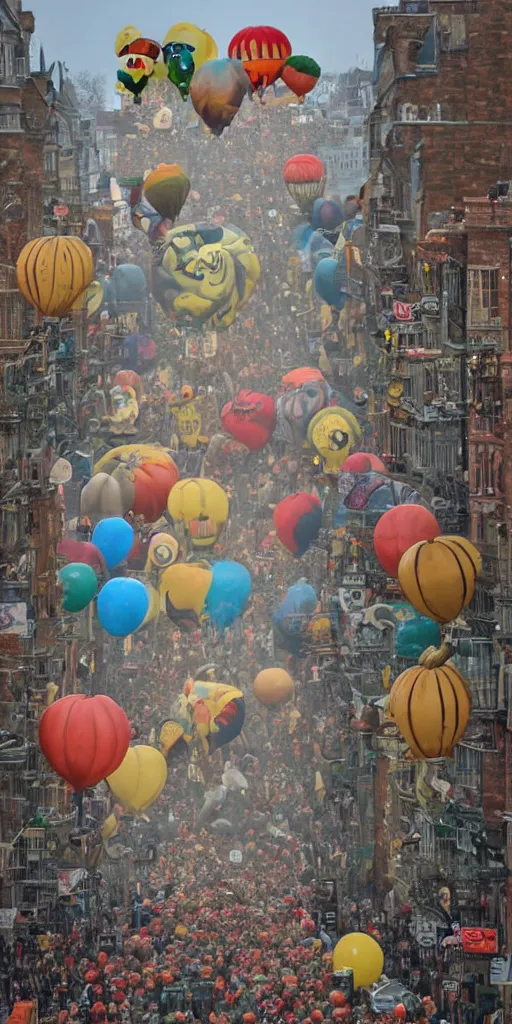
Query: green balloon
x,y
80,584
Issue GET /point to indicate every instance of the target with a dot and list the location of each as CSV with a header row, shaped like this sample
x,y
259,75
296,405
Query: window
x,y
10,122
483,301
453,32
50,163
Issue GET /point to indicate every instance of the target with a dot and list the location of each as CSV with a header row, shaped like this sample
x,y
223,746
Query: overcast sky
x,y
81,33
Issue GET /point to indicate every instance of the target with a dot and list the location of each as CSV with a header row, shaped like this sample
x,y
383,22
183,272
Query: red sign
x,y
402,311
480,941
60,211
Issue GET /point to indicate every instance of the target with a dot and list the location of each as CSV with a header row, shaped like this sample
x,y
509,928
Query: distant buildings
x,y
346,101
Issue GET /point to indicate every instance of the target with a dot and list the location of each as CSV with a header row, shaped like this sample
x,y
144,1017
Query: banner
x,y
69,880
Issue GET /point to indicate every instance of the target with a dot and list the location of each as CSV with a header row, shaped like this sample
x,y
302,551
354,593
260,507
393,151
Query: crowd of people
x,y
214,908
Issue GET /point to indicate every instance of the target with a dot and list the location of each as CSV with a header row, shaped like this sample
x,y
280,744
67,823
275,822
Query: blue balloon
x,y
327,284
122,605
300,599
228,594
414,635
327,215
114,538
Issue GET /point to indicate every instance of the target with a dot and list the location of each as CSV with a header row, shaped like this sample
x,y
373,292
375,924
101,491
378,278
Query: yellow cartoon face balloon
x,y
127,35
203,507
333,433
206,272
205,48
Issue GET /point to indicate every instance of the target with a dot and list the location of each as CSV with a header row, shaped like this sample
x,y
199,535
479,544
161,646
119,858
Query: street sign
x,y
235,857
60,211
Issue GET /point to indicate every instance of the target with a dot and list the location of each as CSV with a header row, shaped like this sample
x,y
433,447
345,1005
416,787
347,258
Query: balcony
x,y
485,339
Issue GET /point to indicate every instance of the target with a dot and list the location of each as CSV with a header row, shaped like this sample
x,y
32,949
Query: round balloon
x,y
398,529
250,418
114,538
364,462
79,583
228,594
361,954
140,778
273,686
297,520
122,605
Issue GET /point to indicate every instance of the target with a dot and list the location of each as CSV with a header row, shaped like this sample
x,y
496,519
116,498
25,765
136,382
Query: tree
x,y
91,91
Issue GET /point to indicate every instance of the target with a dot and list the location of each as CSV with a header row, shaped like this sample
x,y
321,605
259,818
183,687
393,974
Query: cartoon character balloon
x,y
202,506
304,176
211,712
250,418
333,433
206,272
137,60
179,59
183,590
296,407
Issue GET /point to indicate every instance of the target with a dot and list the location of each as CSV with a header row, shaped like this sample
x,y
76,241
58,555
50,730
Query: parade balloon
x,y
400,528
438,576
250,418
179,60
79,583
140,778
298,519
400,1012
153,605
217,92
326,216
204,46
127,35
81,551
301,74
163,551
332,433
125,290
206,272
202,505
431,704
166,189
364,462
295,408
229,592
123,603
114,538
211,711
327,285
183,590
303,375
263,51
84,738
304,176
128,378
273,686
141,476
52,272
358,952
414,636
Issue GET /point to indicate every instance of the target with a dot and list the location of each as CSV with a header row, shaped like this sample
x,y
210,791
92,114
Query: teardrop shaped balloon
x,y
217,92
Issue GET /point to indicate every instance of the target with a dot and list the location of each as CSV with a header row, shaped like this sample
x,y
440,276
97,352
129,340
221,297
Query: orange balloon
x,y
273,686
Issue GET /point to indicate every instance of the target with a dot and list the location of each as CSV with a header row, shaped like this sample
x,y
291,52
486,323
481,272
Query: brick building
x,y
438,307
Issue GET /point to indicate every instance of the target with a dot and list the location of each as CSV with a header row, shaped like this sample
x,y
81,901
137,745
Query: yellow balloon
x,y
361,954
52,272
140,778
170,733
202,505
110,827
333,432
183,590
163,551
127,35
205,48
154,605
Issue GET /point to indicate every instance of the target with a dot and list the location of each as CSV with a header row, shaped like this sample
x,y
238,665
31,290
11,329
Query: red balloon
x,y
398,529
297,520
364,462
84,738
130,379
316,1016
341,1013
304,167
400,1013
81,551
337,998
250,418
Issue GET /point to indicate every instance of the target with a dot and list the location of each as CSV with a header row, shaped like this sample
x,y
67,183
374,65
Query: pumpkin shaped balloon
x,y
144,475
301,74
84,738
53,272
438,576
431,704
250,418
